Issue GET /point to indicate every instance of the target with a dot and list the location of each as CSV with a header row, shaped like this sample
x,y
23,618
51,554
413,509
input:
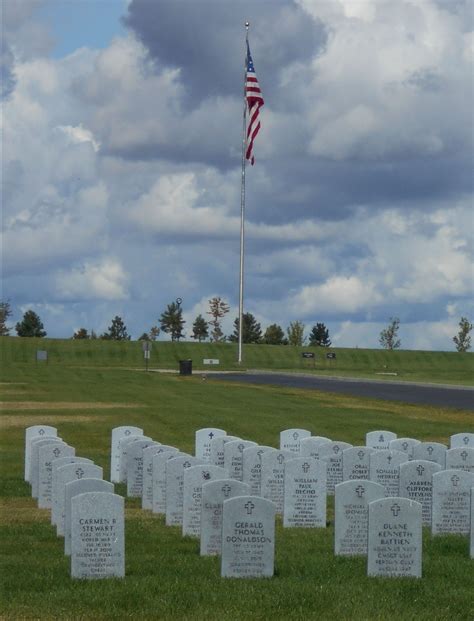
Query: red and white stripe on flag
x,y
255,101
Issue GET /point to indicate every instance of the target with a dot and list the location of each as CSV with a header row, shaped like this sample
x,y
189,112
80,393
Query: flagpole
x,y
242,207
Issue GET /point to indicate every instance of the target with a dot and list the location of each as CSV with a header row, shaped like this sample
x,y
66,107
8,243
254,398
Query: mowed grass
x,y
165,576
442,367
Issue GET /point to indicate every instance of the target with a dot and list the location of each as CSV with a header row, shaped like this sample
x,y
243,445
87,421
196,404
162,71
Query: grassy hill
x,y
443,367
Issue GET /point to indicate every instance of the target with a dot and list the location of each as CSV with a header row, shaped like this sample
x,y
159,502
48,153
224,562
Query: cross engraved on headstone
x,y
404,445
381,438
455,480
41,432
211,435
420,469
361,454
240,447
305,467
56,452
250,507
464,455
127,432
360,491
206,475
296,435
79,473
395,509
260,452
389,458
430,450
186,464
336,449
280,459
226,489
465,440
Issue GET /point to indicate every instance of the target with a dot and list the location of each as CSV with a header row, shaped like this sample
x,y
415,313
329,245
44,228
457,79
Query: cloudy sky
x,y
122,162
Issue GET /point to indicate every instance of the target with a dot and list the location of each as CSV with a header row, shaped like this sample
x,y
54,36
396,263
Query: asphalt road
x,y
459,397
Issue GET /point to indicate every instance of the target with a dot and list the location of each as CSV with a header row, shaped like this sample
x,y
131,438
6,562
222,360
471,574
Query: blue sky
x,y
122,138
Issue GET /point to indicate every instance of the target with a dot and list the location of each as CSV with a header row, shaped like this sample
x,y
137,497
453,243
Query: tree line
x,y
171,322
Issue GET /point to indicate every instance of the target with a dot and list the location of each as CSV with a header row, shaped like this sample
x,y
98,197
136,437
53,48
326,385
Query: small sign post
x,y
309,355
41,355
146,346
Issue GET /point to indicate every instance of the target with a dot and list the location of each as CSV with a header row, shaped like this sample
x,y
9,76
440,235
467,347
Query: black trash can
x,y
186,367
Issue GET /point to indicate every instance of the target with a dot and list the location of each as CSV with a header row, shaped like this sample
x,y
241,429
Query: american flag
x,y
255,101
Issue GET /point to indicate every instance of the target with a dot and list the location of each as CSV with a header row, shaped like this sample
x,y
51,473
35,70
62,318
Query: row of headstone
x,y
84,508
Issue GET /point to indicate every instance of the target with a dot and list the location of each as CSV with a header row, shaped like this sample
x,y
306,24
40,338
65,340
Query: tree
x,y
320,336
154,333
463,338
389,336
30,325
295,333
144,337
81,334
5,313
200,328
117,331
172,321
251,329
274,335
217,309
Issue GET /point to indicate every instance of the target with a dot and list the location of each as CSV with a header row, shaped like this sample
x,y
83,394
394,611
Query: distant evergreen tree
x,y
389,336
81,334
217,309
320,336
172,321
144,337
117,331
200,328
5,313
463,339
251,329
274,335
30,325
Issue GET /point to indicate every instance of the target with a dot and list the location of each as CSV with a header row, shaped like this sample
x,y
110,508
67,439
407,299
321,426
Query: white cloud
x,y
104,280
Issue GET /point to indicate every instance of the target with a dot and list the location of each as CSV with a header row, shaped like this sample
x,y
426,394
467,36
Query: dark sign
x,y
307,354
331,355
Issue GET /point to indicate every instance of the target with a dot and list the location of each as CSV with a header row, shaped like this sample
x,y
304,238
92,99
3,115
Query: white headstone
x,y
46,455
217,449
472,523
203,438
451,502
73,488
35,445
213,495
135,467
305,493
309,447
355,462
380,439
233,457
159,479
416,483
431,451
58,463
351,515
97,535
175,487
194,478
384,468
272,482
252,467
35,431
395,539
148,454
460,459
331,453
123,461
115,454
466,440
406,445
290,439
248,538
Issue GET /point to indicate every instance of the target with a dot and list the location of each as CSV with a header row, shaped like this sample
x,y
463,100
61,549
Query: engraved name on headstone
x,y
309,447
175,468
331,453
36,444
384,468
35,431
65,474
272,482
203,438
125,431
252,467
148,454
416,483
451,502
355,462
380,439
217,449
233,457
290,439
431,451
305,493
395,538
248,538
73,488
352,515
460,459
159,479
406,445
194,478
465,440
123,462
46,455
213,495
97,536
135,467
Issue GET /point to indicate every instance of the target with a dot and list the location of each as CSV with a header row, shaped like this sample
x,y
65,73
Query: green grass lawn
x,y
165,576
